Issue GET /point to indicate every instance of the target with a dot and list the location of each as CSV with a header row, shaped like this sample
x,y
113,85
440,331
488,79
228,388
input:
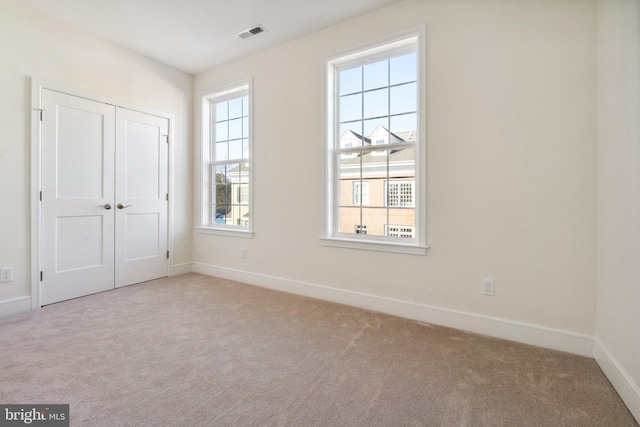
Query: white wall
x,y
618,311
511,158
33,45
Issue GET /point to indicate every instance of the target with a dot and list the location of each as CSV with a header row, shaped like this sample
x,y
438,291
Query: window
x,y
374,148
400,194
379,152
226,168
360,193
401,231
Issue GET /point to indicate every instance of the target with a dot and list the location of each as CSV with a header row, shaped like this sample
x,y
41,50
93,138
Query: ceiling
x,y
195,35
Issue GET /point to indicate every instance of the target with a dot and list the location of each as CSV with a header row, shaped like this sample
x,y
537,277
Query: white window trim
x,y
204,224
331,238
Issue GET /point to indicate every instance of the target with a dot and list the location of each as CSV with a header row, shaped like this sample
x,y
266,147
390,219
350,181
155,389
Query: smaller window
x,y
400,230
400,194
226,154
348,155
361,229
360,193
379,152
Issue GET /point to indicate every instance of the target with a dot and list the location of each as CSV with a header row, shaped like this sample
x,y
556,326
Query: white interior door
x,y
142,152
77,192
104,197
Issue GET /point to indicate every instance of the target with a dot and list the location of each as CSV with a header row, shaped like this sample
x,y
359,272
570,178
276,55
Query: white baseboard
x,y
15,306
179,269
621,381
555,339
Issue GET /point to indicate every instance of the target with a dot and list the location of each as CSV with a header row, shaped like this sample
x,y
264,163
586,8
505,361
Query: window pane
x,y
235,149
404,68
221,111
349,219
374,219
350,171
404,123
233,173
376,184
350,80
222,133
235,108
221,214
222,194
245,127
376,75
235,129
376,103
404,98
235,193
244,215
351,126
244,172
371,125
350,107
245,148
244,194
221,151
245,106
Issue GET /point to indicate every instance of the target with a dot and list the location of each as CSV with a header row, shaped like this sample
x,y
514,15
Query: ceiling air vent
x,y
250,32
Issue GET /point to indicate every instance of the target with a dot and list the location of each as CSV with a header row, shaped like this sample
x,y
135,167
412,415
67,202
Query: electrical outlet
x,y
244,252
488,287
6,274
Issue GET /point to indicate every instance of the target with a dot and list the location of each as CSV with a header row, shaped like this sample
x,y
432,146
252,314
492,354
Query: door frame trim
x,y
37,85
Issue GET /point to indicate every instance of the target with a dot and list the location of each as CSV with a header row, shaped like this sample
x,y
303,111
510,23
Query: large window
x,y
226,168
375,138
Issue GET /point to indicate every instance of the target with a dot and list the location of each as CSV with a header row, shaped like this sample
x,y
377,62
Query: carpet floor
x,y
195,350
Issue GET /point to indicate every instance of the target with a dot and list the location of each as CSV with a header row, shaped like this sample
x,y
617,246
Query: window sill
x,y
246,234
393,247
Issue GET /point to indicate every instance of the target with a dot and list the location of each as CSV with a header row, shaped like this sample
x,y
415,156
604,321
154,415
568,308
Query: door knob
x,y
106,206
121,206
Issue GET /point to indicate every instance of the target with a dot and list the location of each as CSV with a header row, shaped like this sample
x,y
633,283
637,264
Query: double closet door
x,y
104,207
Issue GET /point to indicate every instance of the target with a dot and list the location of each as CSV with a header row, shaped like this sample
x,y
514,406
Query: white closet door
x,y
77,190
141,197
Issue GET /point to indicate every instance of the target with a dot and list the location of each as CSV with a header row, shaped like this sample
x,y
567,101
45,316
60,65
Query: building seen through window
x,y
375,137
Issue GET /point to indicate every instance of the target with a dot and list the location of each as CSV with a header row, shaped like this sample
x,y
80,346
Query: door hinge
x,y
41,276
167,254
166,138
41,196
40,110
167,197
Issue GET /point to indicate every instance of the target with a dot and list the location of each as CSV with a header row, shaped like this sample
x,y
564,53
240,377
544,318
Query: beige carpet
x,y
199,351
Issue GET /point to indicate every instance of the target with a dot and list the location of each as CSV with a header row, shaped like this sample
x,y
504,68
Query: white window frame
x,y
207,221
412,40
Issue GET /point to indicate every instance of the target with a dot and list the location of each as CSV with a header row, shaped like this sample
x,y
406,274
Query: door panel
x,y
77,181
141,189
79,242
